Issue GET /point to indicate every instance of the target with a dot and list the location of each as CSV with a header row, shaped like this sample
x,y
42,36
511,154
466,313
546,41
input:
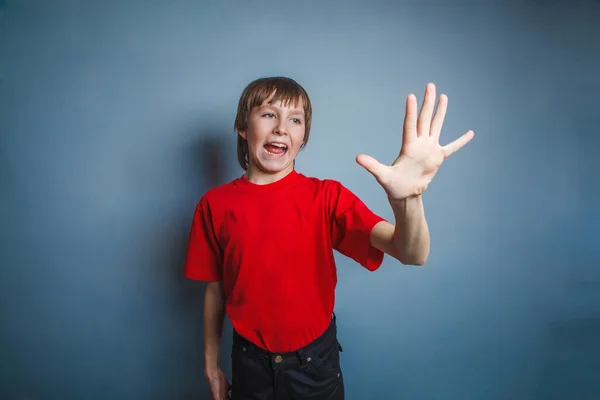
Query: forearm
x,y
411,233
214,318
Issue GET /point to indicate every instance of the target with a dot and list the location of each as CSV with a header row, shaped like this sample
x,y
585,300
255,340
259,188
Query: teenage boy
x,y
264,242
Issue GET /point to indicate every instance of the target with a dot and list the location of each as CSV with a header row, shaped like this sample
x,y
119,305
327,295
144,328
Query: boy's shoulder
x,y
322,184
328,183
217,193
319,179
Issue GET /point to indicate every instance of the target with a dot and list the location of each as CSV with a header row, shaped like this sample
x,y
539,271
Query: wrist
x,y
210,371
406,201
407,209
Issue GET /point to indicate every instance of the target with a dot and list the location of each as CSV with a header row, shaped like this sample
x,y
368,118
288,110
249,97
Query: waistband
x,y
327,339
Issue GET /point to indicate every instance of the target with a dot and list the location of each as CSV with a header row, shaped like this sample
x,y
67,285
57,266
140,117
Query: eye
x,y
269,115
297,120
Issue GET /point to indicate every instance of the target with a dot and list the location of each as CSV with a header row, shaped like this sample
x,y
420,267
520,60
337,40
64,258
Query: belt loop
x,y
304,359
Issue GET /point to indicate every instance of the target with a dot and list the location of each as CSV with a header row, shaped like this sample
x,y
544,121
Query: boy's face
x,y
275,134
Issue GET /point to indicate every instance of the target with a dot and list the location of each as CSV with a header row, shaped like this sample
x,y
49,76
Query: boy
x,y
264,243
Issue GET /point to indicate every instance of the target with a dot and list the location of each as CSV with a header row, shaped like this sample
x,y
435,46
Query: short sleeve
x,y
352,223
204,257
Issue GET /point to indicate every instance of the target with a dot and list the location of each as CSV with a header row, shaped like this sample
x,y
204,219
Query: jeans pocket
x,y
325,364
238,365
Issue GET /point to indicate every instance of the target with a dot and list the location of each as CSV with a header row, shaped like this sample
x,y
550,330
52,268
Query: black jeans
x,y
312,372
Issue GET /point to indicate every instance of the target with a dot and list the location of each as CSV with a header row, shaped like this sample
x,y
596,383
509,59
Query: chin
x,y
273,169
276,166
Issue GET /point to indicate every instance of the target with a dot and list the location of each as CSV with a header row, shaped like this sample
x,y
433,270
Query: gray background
x,y
116,116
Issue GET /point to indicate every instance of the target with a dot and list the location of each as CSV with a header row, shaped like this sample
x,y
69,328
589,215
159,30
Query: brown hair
x,y
281,89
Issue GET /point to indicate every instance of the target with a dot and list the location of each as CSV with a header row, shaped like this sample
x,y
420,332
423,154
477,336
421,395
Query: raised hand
x,y
421,154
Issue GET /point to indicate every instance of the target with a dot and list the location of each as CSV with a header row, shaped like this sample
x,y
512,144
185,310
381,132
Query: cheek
x,y
298,138
254,138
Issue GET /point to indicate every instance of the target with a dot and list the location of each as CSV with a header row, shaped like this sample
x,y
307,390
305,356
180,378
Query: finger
x,y
453,147
225,387
410,119
424,121
223,393
370,164
215,393
438,118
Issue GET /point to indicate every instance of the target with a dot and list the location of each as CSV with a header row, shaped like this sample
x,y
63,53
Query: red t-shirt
x,y
272,247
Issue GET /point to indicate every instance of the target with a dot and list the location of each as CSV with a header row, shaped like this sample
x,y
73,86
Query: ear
x,y
303,142
242,134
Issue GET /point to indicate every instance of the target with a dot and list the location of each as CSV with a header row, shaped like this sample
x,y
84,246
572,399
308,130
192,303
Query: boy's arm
x,y
214,318
408,241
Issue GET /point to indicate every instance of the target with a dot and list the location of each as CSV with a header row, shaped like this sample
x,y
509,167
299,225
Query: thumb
x,y
370,164
227,388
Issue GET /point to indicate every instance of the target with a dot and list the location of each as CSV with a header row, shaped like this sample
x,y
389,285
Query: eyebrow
x,y
299,111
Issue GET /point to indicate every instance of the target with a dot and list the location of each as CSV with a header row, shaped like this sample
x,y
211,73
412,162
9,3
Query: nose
x,y
281,128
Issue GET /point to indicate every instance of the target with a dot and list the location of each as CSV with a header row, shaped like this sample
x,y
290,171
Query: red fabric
x,y
272,247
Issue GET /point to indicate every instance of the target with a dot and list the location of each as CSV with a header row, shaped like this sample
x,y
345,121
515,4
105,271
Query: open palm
x,y
421,154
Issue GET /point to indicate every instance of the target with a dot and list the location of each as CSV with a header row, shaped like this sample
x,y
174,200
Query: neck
x,y
260,177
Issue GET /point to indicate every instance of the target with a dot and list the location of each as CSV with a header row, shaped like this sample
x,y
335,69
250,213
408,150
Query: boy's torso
x,y
279,272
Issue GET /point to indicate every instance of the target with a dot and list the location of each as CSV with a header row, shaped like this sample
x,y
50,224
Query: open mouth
x,y
276,148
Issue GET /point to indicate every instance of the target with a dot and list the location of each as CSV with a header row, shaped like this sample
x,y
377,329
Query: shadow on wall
x,y
207,160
